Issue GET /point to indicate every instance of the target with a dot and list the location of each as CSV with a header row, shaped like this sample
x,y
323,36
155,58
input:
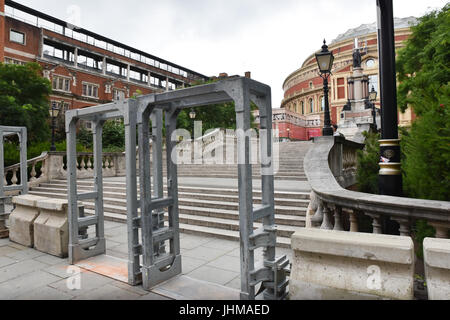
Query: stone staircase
x,y
206,210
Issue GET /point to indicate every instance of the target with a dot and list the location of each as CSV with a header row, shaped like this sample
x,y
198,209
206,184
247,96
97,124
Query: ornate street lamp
x,y
325,61
192,115
54,111
289,133
372,98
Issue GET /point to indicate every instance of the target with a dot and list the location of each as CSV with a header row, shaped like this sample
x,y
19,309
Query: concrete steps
x,y
205,210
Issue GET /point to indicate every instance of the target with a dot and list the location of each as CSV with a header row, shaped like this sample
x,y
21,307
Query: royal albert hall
x,y
301,114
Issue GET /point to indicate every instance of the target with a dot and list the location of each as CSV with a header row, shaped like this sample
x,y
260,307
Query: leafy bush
x,y
24,99
424,75
368,164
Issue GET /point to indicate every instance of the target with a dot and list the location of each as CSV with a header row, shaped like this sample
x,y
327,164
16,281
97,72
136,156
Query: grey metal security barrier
x,y
21,132
157,264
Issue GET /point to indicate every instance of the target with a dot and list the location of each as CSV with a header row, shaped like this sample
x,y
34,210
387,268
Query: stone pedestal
x,y
21,219
437,268
337,265
51,228
4,231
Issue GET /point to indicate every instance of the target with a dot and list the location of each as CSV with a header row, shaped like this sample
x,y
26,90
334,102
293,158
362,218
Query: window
x,y
311,85
303,107
90,90
370,63
341,88
322,103
119,94
61,83
16,36
61,106
311,105
373,81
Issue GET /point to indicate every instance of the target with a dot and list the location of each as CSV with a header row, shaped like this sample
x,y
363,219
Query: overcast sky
x,y
270,38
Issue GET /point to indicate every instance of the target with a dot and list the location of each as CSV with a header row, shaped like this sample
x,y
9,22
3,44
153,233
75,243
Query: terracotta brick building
x,y
302,109
85,68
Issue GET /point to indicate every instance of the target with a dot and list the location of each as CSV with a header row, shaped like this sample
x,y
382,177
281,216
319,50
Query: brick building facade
x,y
303,89
85,68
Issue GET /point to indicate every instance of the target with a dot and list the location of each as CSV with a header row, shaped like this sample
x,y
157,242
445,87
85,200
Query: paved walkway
x,y
29,274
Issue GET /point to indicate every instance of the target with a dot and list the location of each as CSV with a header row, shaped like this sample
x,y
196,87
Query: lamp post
x,y
192,115
390,176
289,135
325,61
54,111
372,98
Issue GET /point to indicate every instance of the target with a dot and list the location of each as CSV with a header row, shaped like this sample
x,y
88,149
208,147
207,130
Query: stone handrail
x,y
14,169
53,167
323,168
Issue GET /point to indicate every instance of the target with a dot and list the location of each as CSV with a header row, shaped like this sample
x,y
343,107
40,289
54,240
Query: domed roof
x,y
371,28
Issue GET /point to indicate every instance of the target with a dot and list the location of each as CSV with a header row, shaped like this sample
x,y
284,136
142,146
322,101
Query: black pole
x,y
390,176
327,129
52,147
374,115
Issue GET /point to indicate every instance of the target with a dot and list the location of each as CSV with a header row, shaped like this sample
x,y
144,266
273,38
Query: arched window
x,y
311,105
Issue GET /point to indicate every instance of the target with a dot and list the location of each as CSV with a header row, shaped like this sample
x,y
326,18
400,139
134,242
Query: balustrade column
x,y
338,219
405,226
326,224
318,216
376,223
441,229
353,217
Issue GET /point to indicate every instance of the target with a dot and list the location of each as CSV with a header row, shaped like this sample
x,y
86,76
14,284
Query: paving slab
x,y
19,269
5,261
50,260
204,253
108,266
5,250
213,275
26,283
108,292
89,281
45,293
226,263
190,264
187,288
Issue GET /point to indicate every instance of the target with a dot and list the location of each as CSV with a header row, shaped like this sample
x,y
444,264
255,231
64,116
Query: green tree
x,y
368,164
24,99
424,73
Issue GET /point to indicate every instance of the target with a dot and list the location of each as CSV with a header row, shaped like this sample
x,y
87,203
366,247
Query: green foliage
x,y
24,99
421,231
424,73
113,137
368,164
426,160
12,152
423,66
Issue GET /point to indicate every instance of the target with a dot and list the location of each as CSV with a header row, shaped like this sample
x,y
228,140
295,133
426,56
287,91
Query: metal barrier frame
x,y
80,249
157,265
21,132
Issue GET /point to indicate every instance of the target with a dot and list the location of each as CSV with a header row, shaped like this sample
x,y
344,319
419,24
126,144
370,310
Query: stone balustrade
x,y
337,265
52,166
437,268
329,166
